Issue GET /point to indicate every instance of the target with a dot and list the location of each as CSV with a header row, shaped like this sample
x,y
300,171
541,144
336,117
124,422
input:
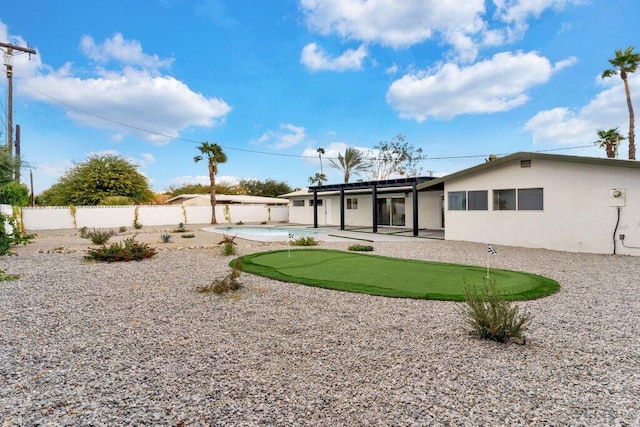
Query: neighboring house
x,y
558,202
224,199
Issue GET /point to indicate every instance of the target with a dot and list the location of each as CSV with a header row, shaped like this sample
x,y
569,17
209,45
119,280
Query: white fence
x,y
60,217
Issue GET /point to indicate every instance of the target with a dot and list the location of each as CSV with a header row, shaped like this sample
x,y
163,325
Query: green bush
x,y
488,316
13,238
84,232
14,194
122,229
304,241
99,237
361,248
229,248
127,250
166,238
188,236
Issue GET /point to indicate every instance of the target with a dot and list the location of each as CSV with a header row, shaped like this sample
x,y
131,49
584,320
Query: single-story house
x,y
225,199
558,202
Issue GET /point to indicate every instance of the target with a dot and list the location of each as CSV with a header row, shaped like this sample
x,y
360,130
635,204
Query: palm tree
x,y
214,155
318,177
320,151
624,63
353,162
610,140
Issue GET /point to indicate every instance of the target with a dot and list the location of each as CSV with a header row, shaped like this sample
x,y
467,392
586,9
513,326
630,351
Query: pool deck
x,y
334,234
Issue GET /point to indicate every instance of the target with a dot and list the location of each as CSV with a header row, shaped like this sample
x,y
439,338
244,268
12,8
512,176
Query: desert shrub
x,y
228,283
488,316
84,232
166,238
137,225
127,250
122,229
304,241
99,237
361,248
4,277
15,237
228,244
188,236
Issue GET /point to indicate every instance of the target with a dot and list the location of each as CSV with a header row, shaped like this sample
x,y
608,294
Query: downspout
x,y
615,230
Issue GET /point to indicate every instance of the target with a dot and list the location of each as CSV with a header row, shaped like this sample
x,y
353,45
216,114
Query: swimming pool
x,y
266,233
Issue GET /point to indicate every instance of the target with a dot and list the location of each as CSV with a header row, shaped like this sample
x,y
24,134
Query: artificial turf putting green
x,y
393,277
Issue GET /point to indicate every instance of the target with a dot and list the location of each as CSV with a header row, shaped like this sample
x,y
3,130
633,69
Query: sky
x,y
272,81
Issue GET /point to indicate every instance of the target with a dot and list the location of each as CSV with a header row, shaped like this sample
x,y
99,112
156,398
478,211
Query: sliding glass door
x,y
391,211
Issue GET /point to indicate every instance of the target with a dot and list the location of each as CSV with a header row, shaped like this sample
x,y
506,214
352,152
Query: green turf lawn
x,y
394,277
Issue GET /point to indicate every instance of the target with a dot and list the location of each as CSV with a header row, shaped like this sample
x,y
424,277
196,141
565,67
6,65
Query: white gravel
x,y
133,343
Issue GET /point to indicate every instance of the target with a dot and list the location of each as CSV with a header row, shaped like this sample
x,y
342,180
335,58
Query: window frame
x,y
455,204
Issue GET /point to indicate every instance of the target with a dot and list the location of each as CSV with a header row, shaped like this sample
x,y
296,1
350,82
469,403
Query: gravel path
x,y
133,343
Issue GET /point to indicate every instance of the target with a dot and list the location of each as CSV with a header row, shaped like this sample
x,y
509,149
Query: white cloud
x,y
393,69
608,109
463,25
497,84
118,49
287,136
316,59
132,98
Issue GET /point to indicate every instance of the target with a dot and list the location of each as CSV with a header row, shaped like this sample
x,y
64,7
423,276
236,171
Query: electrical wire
x,y
269,153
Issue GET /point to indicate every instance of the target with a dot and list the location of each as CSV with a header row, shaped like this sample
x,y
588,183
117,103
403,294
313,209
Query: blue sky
x,y
271,81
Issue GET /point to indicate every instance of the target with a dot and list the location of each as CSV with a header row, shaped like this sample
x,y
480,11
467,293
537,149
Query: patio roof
x,y
380,184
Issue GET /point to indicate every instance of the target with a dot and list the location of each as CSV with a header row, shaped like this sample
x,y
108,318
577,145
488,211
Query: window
x,y
478,200
504,200
298,203
530,199
319,202
352,203
457,200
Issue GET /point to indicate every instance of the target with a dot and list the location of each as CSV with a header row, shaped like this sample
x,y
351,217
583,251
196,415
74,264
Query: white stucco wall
x,y
577,215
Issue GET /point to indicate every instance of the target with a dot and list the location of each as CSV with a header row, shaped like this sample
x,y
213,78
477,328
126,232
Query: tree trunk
x,y
632,136
212,179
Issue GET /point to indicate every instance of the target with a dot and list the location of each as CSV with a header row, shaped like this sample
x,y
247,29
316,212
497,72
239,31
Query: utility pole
x,y
8,62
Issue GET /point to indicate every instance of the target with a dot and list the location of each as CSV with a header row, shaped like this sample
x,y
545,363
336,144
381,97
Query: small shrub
x,y
137,225
239,223
304,241
489,316
127,250
123,229
188,236
84,232
228,283
100,237
181,225
361,248
180,228
228,249
13,238
4,277
166,238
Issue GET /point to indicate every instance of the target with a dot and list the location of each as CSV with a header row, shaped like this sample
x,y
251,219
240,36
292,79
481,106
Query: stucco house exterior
x,y
558,202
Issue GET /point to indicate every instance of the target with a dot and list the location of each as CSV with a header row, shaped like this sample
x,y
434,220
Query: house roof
x,y
232,198
363,185
522,155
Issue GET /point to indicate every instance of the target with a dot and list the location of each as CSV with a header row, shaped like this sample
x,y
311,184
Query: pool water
x,y
264,233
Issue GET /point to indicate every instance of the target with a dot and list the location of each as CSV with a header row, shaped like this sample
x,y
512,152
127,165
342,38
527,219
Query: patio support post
x,y
414,196
315,208
341,208
374,208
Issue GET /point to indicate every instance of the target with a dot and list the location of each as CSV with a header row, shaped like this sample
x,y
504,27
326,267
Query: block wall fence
x,y
68,217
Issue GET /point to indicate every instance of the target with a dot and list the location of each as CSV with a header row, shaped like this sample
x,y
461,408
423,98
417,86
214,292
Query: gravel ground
x,y
133,343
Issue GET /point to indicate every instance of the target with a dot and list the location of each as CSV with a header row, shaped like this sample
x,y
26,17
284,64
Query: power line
x,y
269,153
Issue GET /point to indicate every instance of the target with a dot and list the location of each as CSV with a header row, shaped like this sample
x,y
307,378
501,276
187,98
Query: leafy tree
x,y
267,188
222,187
610,140
14,194
624,63
353,162
395,157
215,156
7,166
97,179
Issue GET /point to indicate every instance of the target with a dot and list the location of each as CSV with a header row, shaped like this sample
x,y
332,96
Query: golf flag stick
x,y
490,251
290,238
